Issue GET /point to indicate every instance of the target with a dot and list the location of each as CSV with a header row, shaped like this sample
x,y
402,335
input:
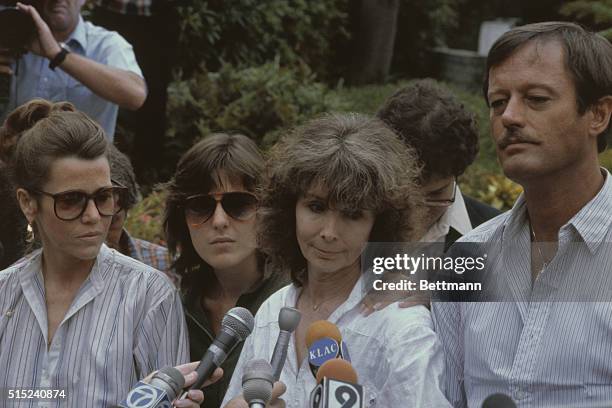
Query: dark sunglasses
x,y
70,205
239,205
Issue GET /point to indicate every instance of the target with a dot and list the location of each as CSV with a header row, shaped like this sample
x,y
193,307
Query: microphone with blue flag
x,y
324,343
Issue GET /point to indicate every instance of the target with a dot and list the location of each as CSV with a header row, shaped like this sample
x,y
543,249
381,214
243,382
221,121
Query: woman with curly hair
x,y
210,222
333,185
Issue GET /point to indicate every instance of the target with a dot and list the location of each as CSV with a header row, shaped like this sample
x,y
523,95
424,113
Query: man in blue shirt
x,y
76,61
546,342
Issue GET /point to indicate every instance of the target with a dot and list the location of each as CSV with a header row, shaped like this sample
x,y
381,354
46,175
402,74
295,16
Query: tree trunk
x,y
373,39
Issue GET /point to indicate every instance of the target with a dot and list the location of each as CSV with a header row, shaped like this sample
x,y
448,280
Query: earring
x,y
29,234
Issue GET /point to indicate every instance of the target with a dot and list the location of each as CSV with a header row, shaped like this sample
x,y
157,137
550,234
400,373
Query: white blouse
x,y
395,352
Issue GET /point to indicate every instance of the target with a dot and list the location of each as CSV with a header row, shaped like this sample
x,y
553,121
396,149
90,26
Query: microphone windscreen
x,y
257,381
337,369
320,329
288,319
240,321
498,400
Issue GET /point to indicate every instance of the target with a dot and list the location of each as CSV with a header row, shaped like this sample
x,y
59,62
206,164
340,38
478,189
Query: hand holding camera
x,y
22,29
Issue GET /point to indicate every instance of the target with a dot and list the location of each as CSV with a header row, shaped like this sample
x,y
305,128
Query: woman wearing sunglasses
x,y
333,185
210,223
76,316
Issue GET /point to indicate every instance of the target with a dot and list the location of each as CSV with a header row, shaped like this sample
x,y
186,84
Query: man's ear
x,y
601,111
27,203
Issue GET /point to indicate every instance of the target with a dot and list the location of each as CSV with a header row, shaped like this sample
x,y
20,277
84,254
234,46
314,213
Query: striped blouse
x,y
546,349
125,321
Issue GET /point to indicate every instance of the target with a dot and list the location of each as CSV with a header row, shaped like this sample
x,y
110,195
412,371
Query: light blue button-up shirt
x,y
546,350
34,79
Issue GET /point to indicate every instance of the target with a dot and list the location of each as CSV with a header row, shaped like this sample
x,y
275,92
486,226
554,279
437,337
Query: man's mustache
x,y
513,137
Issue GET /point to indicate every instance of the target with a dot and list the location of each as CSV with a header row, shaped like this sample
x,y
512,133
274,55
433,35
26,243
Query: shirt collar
x,y
592,222
354,299
456,216
33,266
78,35
126,242
96,276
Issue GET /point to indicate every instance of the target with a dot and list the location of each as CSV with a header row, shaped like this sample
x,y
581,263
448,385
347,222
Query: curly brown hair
x,y
361,163
431,120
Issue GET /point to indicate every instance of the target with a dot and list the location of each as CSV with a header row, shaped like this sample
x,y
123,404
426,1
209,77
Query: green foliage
x,y
596,14
598,11
492,188
145,218
252,32
258,102
605,159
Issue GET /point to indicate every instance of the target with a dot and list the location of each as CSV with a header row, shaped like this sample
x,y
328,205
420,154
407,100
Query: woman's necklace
x,y
317,306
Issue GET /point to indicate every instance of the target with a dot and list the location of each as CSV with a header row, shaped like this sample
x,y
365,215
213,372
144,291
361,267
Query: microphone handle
x,y
216,354
280,353
205,369
256,405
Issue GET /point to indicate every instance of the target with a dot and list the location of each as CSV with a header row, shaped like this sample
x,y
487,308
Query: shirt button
x,y
520,394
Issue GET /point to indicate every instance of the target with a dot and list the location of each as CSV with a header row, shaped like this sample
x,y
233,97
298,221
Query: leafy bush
x,y
252,32
258,102
596,14
491,188
605,159
145,218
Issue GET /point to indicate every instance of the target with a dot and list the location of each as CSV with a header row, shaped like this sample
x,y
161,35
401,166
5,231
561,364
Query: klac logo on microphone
x,y
143,396
322,350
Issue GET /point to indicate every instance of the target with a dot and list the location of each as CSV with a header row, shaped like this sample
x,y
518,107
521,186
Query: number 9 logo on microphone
x,y
344,395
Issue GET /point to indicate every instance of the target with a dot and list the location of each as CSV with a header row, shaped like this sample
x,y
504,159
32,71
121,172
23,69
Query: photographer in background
x,y
97,68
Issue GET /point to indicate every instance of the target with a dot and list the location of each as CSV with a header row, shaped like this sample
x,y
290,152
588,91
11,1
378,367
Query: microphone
x,y
236,326
498,400
324,342
257,383
160,392
288,320
337,386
